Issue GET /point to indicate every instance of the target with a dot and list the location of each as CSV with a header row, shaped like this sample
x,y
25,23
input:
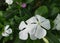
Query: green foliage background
x,y
14,14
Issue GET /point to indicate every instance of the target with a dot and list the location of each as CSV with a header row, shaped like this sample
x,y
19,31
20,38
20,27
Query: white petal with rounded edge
x,y
6,27
32,37
32,32
9,2
5,34
22,25
23,35
40,18
46,24
9,31
40,32
31,20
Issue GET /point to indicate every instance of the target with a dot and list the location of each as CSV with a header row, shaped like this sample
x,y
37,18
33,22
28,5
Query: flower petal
x,y
23,35
32,32
5,34
31,20
40,18
6,27
32,37
9,31
40,32
46,24
58,17
9,1
33,29
57,20
29,28
57,23
58,26
22,25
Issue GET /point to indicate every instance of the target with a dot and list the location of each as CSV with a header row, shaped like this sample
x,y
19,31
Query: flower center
x,y
38,23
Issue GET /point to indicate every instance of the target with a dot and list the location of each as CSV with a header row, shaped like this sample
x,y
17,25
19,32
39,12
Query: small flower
x,y
23,5
7,31
35,27
57,23
9,2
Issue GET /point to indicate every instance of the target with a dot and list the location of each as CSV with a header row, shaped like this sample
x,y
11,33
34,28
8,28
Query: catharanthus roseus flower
x,y
23,5
57,23
9,2
35,26
7,31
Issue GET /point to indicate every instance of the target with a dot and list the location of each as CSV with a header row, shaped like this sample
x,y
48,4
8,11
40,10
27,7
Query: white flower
x,y
57,23
35,27
7,31
9,2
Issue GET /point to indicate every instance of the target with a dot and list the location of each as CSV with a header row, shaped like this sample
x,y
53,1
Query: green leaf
x,y
55,10
54,13
52,37
1,14
17,0
50,41
29,1
10,13
0,37
42,10
17,40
